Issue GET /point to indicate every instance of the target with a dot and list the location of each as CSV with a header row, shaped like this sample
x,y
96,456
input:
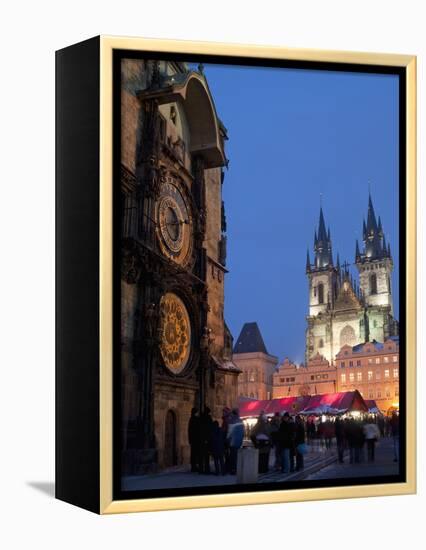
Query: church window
x,y
370,375
320,293
359,376
387,373
347,336
343,378
395,373
321,343
373,284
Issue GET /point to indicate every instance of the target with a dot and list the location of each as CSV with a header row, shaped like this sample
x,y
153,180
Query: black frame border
x,y
401,72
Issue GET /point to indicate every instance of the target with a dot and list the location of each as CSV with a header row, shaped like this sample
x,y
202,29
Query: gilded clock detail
x,y
174,223
175,343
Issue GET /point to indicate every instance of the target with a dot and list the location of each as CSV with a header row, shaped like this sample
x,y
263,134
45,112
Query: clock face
x,y
175,343
174,223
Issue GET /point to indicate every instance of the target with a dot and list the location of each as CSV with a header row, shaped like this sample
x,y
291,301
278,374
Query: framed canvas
x,y
235,274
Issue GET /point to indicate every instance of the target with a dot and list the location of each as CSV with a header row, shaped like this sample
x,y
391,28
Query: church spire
x,y
308,262
373,237
357,252
322,244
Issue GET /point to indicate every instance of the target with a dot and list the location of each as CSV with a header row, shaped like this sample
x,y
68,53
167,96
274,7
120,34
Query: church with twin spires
x,y
343,311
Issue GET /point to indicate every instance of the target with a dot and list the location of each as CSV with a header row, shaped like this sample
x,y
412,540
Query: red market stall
x,y
329,403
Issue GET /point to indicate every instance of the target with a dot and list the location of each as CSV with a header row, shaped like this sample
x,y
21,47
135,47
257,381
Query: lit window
x,y
320,293
373,284
395,359
370,375
387,373
386,359
370,360
359,376
343,378
351,377
377,360
395,373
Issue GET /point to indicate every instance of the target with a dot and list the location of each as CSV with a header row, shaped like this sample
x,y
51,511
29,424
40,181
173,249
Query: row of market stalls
x,y
339,403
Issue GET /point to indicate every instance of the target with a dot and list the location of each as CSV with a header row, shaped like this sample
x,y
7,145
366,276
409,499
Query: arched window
x,y
320,293
347,336
373,284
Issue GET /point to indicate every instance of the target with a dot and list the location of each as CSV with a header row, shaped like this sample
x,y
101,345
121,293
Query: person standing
x,y
286,436
206,422
372,434
235,438
340,438
275,440
260,436
194,438
394,431
217,448
299,440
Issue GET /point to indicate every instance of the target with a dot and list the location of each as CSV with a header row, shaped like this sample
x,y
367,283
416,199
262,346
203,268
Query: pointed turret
x,y
373,235
308,262
357,252
322,244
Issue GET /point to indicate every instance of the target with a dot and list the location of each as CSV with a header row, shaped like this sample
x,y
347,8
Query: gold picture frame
x,y
107,46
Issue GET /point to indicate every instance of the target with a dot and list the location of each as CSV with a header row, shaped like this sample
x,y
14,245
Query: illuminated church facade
x,y
342,310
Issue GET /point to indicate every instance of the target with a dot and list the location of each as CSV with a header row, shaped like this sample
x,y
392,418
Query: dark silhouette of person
x,y
217,447
299,440
206,423
194,438
339,428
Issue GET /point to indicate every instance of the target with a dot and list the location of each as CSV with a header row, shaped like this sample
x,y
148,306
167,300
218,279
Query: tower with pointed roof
x,y
374,264
257,365
341,311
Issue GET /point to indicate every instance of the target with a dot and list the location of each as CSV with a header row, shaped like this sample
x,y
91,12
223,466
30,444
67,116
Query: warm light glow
x,y
356,414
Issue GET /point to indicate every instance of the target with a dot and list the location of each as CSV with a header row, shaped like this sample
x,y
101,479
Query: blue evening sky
x,y
294,135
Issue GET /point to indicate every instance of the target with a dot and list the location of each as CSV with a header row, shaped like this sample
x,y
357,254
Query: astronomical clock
x,y
176,352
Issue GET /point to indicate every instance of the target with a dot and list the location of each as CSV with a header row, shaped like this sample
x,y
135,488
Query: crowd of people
x,y
287,436
208,439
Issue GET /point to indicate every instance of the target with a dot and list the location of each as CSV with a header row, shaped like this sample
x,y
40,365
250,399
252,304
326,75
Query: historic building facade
x,y
341,311
373,369
257,365
292,380
176,351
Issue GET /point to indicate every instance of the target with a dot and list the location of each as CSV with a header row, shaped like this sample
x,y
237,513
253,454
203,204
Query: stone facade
x,y
372,369
256,364
176,351
341,311
291,380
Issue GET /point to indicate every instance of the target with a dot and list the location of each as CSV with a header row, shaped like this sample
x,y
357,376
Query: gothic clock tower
x,y
176,348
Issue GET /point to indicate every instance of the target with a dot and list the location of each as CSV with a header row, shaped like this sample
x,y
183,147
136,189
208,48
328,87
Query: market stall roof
x,y
332,403
372,406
